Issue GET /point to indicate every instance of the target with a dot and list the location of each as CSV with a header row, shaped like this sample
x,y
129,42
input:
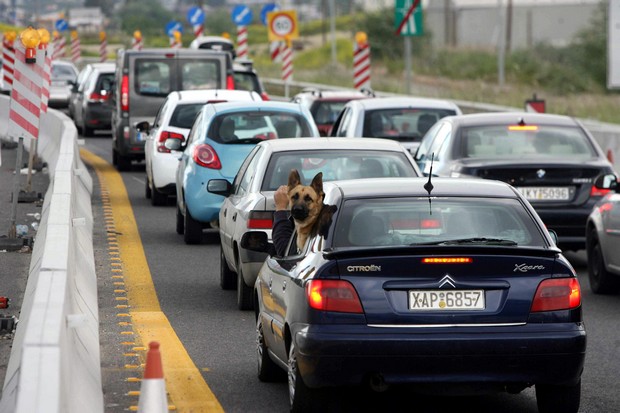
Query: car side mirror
x,y
219,187
609,181
257,241
143,126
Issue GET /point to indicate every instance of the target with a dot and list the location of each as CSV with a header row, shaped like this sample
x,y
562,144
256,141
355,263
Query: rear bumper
x,y
511,355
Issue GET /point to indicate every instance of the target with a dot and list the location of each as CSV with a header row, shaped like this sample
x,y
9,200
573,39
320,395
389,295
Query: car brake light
x,y
526,128
230,82
333,295
599,191
447,260
205,155
260,220
125,94
167,135
557,294
97,97
605,207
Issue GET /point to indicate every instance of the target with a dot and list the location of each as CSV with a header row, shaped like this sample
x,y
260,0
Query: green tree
x,y
145,15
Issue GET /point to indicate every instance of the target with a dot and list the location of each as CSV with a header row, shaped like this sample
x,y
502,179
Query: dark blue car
x,y
455,285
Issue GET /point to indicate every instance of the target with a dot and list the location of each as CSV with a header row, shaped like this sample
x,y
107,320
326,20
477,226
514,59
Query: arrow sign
x,y
242,15
172,27
402,24
61,25
267,8
195,15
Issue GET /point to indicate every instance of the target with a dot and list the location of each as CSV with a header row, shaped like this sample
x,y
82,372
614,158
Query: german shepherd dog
x,y
310,214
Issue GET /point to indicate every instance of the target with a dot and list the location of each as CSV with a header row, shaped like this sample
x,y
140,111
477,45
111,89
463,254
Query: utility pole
x,y
332,12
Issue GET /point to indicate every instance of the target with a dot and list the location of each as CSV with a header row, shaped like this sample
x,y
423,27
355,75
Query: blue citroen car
x,y
441,285
222,135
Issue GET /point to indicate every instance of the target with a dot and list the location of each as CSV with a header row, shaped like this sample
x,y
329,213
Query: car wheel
x,y
86,131
268,371
301,397
227,276
244,293
601,281
193,229
157,198
558,399
147,189
180,221
114,158
123,163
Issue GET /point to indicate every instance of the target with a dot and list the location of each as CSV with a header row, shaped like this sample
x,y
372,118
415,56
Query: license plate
x,y
535,193
430,300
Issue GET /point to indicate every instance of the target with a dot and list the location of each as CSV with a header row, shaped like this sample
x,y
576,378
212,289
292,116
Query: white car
x,y
249,204
63,76
403,119
174,120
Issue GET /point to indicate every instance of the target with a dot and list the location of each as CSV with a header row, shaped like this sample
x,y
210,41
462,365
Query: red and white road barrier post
x,y
59,45
242,42
136,43
103,46
287,66
8,57
76,49
153,398
275,50
361,62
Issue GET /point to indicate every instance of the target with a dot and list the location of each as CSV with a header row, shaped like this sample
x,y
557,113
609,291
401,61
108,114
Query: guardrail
x,y
55,362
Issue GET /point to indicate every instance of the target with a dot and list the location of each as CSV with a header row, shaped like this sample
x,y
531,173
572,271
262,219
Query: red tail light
x,y
205,155
230,82
557,294
333,295
264,95
125,93
167,135
260,220
265,136
598,191
97,97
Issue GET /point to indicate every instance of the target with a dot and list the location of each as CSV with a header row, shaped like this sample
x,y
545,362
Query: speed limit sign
x,y
282,25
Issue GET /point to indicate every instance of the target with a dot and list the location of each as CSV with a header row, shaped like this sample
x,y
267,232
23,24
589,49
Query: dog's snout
x,y
299,212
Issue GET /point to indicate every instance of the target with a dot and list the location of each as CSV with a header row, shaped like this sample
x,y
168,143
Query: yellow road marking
x,y
184,382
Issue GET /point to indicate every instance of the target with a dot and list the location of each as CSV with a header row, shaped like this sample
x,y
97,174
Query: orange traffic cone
x,y
153,397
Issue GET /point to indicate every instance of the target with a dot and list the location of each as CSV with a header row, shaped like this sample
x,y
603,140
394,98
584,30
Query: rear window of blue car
x,y
256,126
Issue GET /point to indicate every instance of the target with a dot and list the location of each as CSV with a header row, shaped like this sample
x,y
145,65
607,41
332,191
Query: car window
x,y
402,122
345,123
255,126
200,74
411,221
163,109
105,81
326,111
63,72
185,115
515,141
195,132
422,151
335,165
246,81
442,136
244,166
152,77
244,183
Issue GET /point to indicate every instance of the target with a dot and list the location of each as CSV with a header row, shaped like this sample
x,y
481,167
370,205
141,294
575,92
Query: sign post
x,y
196,17
408,20
242,17
282,26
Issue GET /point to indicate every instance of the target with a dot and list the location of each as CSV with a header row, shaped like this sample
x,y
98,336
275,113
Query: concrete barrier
x,y
55,362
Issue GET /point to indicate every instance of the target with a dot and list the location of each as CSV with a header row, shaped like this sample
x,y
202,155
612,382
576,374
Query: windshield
x,y
445,221
335,165
401,123
254,126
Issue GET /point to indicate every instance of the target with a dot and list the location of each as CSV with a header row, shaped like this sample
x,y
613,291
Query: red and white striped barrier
x,y
275,50
198,30
76,49
25,105
153,397
60,44
287,63
103,47
136,43
361,62
8,57
242,42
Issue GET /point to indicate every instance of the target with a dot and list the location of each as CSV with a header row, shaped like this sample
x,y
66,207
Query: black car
x,y
450,285
552,159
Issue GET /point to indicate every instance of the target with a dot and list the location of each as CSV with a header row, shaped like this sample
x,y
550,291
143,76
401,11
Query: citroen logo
x,y
541,173
446,280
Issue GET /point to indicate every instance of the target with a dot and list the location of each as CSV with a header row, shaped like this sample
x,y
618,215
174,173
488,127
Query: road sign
x,y
61,25
195,15
242,15
267,8
282,25
408,18
173,26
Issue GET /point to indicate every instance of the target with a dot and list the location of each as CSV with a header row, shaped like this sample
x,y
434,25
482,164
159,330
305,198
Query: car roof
x,y
267,105
512,117
403,101
291,144
190,96
395,187
105,68
331,94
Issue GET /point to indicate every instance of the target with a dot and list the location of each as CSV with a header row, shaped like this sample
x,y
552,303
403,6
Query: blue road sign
x,y
267,8
242,15
196,15
172,27
61,25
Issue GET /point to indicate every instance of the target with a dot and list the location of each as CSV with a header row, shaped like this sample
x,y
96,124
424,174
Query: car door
x,y
150,143
195,134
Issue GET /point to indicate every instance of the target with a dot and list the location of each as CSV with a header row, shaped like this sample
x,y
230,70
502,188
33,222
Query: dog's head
x,y
305,201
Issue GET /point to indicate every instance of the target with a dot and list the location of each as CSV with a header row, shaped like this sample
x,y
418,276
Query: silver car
x,y
249,204
64,76
603,239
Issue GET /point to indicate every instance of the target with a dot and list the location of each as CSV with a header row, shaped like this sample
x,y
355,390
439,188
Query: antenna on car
x,y
429,185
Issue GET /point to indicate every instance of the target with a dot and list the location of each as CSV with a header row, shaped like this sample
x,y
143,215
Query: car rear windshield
x,y
401,123
184,115
326,111
62,72
247,81
518,141
445,221
256,126
156,77
335,165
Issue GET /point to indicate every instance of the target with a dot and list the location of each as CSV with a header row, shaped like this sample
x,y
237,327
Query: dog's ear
x,y
293,179
325,219
317,184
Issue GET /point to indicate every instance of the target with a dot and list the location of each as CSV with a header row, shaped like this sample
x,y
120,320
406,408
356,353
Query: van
x,y
145,77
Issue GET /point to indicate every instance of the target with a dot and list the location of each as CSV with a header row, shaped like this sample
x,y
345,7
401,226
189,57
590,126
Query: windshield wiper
x,y
475,240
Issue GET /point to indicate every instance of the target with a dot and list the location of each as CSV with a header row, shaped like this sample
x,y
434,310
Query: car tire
x,y
147,189
558,399
158,198
86,131
244,293
228,278
123,163
601,281
301,397
180,221
268,371
193,229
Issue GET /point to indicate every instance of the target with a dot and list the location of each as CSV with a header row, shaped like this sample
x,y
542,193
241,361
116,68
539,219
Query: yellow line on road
x,y
184,382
